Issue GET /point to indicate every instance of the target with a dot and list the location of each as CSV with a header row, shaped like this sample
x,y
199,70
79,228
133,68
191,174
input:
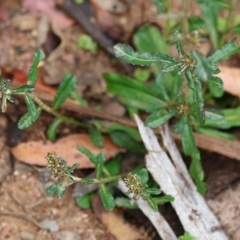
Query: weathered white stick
x,y
174,180
158,221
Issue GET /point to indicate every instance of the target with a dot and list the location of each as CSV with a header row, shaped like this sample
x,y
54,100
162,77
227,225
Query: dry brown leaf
x,y
231,79
34,152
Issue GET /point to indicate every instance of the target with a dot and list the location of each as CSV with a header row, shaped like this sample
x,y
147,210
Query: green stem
x,y
102,180
228,22
168,23
48,109
184,21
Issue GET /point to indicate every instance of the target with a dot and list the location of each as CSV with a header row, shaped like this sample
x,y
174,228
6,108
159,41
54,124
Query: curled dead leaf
x,y
34,152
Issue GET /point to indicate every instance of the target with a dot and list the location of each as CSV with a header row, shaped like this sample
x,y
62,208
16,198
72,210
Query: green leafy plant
x,y
182,100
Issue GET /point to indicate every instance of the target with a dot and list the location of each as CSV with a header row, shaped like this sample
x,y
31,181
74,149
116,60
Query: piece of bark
x,y
173,178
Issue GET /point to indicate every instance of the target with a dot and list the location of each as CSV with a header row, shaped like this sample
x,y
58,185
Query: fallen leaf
x,y
231,79
114,222
47,7
34,152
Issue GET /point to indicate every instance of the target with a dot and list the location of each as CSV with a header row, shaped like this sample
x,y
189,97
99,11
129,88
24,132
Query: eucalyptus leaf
x,y
107,198
65,89
32,75
27,119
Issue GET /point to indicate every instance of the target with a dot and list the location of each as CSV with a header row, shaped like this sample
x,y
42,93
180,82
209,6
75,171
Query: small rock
x,y
27,235
50,225
67,235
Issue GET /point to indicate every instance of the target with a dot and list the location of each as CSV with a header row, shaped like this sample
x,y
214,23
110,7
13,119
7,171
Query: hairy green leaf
x,y
24,88
65,89
188,142
127,54
143,175
52,129
151,202
113,166
157,119
100,159
30,105
107,198
213,114
96,137
225,52
153,191
161,83
27,119
216,91
203,66
215,82
32,75
56,189
88,153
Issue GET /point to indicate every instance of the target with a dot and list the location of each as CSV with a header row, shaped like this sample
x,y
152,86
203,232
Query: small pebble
x,y
67,235
50,225
27,235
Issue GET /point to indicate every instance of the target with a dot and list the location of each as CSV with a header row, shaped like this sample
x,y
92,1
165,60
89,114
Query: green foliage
x,y
86,42
142,74
30,106
28,119
52,129
56,189
84,201
107,198
125,203
96,137
32,76
187,236
65,89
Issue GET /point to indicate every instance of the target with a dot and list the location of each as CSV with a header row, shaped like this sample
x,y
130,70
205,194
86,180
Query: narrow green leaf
x,y
225,52
188,142
215,82
30,106
24,88
161,83
88,153
84,201
134,133
216,133
65,89
210,17
163,199
203,66
76,96
157,119
32,75
100,159
52,129
197,173
213,114
179,126
216,91
143,175
124,140
127,54
88,181
125,203
151,202
107,198
153,191
27,119
96,137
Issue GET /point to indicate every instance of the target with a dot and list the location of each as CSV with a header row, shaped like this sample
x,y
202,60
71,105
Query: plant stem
x,y
50,110
102,180
168,24
184,21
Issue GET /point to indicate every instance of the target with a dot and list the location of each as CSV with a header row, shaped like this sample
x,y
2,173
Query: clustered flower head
x,y
57,167
5,94
134,185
